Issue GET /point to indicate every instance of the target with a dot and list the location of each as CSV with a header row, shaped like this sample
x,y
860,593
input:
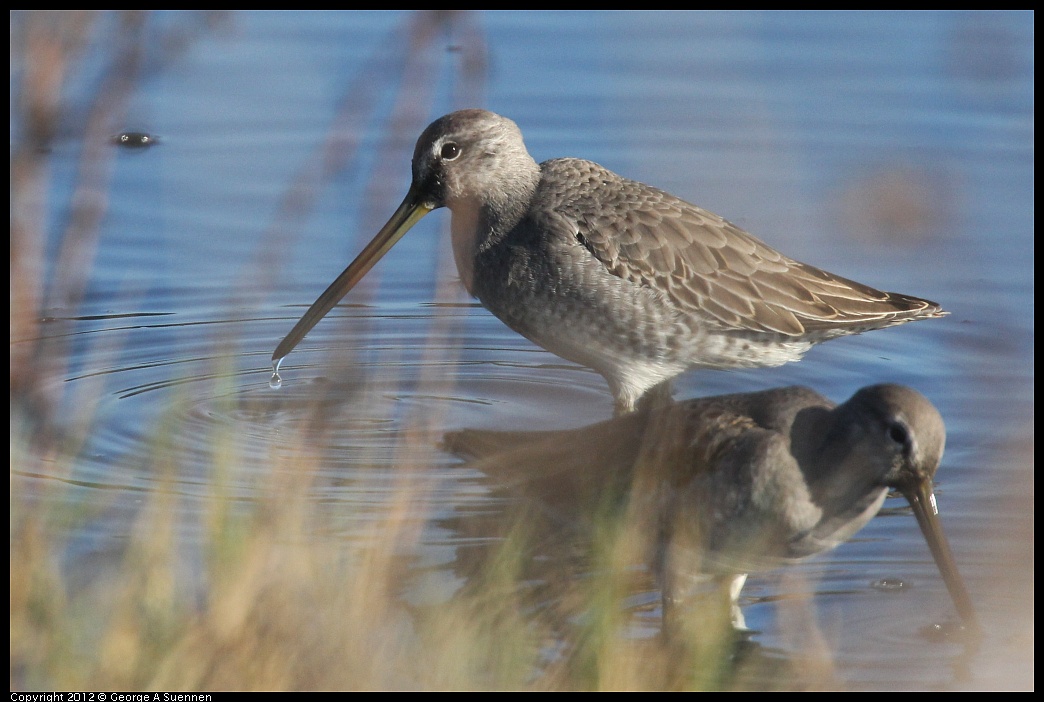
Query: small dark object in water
x,y
134,140
890,584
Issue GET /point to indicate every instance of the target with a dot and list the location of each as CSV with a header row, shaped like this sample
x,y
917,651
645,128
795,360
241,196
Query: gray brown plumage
x,y
723,486
611,273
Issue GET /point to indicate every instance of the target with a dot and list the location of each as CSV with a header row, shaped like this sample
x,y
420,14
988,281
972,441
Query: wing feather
x,y
709,268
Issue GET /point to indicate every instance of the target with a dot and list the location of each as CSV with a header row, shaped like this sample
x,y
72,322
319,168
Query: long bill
x,y
922,499
414,206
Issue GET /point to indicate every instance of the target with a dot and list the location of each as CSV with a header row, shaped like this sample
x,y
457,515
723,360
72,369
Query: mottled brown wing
x,y
709,267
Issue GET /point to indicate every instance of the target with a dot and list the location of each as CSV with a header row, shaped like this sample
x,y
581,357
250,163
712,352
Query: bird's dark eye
x,y
450,151
898,433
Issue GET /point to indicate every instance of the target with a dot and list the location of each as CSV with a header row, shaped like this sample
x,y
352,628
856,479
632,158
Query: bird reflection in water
x,y
705,491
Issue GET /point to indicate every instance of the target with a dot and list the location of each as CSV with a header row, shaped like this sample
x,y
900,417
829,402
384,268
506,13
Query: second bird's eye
x,y
898,433
450,151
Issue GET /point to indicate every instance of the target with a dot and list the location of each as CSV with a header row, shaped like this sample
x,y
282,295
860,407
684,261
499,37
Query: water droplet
x,y
275,382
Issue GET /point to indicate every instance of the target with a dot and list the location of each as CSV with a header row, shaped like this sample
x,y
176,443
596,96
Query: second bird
x,y
611,273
